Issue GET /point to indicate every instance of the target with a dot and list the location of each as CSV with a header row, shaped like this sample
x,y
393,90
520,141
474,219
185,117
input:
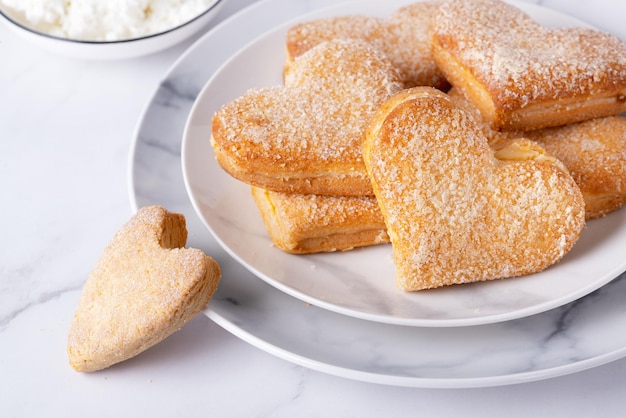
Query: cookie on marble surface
x,y
144,287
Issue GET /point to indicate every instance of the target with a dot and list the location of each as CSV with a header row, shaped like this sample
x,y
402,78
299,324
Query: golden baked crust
x,y
524,76
305,137
403,37
305,223
306,35
144,287
454,212
593,151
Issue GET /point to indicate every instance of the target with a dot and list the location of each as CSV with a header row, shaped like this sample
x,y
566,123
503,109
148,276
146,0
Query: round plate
x,y
574,337
361,282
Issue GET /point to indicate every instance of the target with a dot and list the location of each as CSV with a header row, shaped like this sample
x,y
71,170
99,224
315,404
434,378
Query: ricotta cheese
x,y
109,20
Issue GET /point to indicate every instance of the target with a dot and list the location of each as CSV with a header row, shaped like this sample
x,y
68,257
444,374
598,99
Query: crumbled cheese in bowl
x,y
109,20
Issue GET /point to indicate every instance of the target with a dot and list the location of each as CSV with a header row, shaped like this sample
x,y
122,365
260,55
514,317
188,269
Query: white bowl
x,y
112,50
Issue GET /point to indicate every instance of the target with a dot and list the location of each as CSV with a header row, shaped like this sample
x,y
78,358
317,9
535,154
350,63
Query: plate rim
x,y
214,314
417,382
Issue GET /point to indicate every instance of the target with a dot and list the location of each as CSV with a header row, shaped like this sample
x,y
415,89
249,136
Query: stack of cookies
x,y
475,140
299,145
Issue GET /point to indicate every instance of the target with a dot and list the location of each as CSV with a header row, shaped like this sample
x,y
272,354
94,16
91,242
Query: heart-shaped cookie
x,y
144,287
454,212
522,75
593,151
305,136
402,36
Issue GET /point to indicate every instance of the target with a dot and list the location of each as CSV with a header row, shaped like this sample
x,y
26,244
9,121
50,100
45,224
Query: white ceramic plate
x,y
113,50
361,282
580,335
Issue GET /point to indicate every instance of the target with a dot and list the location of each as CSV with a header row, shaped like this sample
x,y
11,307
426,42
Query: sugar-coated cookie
x,y
145,286
403,37
594,152
524,76
306,223
454,212
305,136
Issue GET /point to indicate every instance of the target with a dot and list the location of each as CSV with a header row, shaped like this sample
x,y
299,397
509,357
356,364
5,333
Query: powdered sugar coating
x,y
408,44
306,35
520,62
594,151
313,126
319,213
144,287
455,214
403,37
309,223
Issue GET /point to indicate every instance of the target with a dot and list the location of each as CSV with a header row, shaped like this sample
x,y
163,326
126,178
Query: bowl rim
x,y
33,31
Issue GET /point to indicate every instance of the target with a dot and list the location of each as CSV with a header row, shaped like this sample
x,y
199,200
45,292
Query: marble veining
x,y
522,347
67,127
177,92
11,311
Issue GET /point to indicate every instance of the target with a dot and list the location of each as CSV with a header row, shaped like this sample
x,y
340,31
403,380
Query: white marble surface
x,y
66,128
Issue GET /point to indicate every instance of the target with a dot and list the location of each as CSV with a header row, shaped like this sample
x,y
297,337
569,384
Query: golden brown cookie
x,y
593,151
144,287
305,136
403,37
523,76
305,223
454,212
